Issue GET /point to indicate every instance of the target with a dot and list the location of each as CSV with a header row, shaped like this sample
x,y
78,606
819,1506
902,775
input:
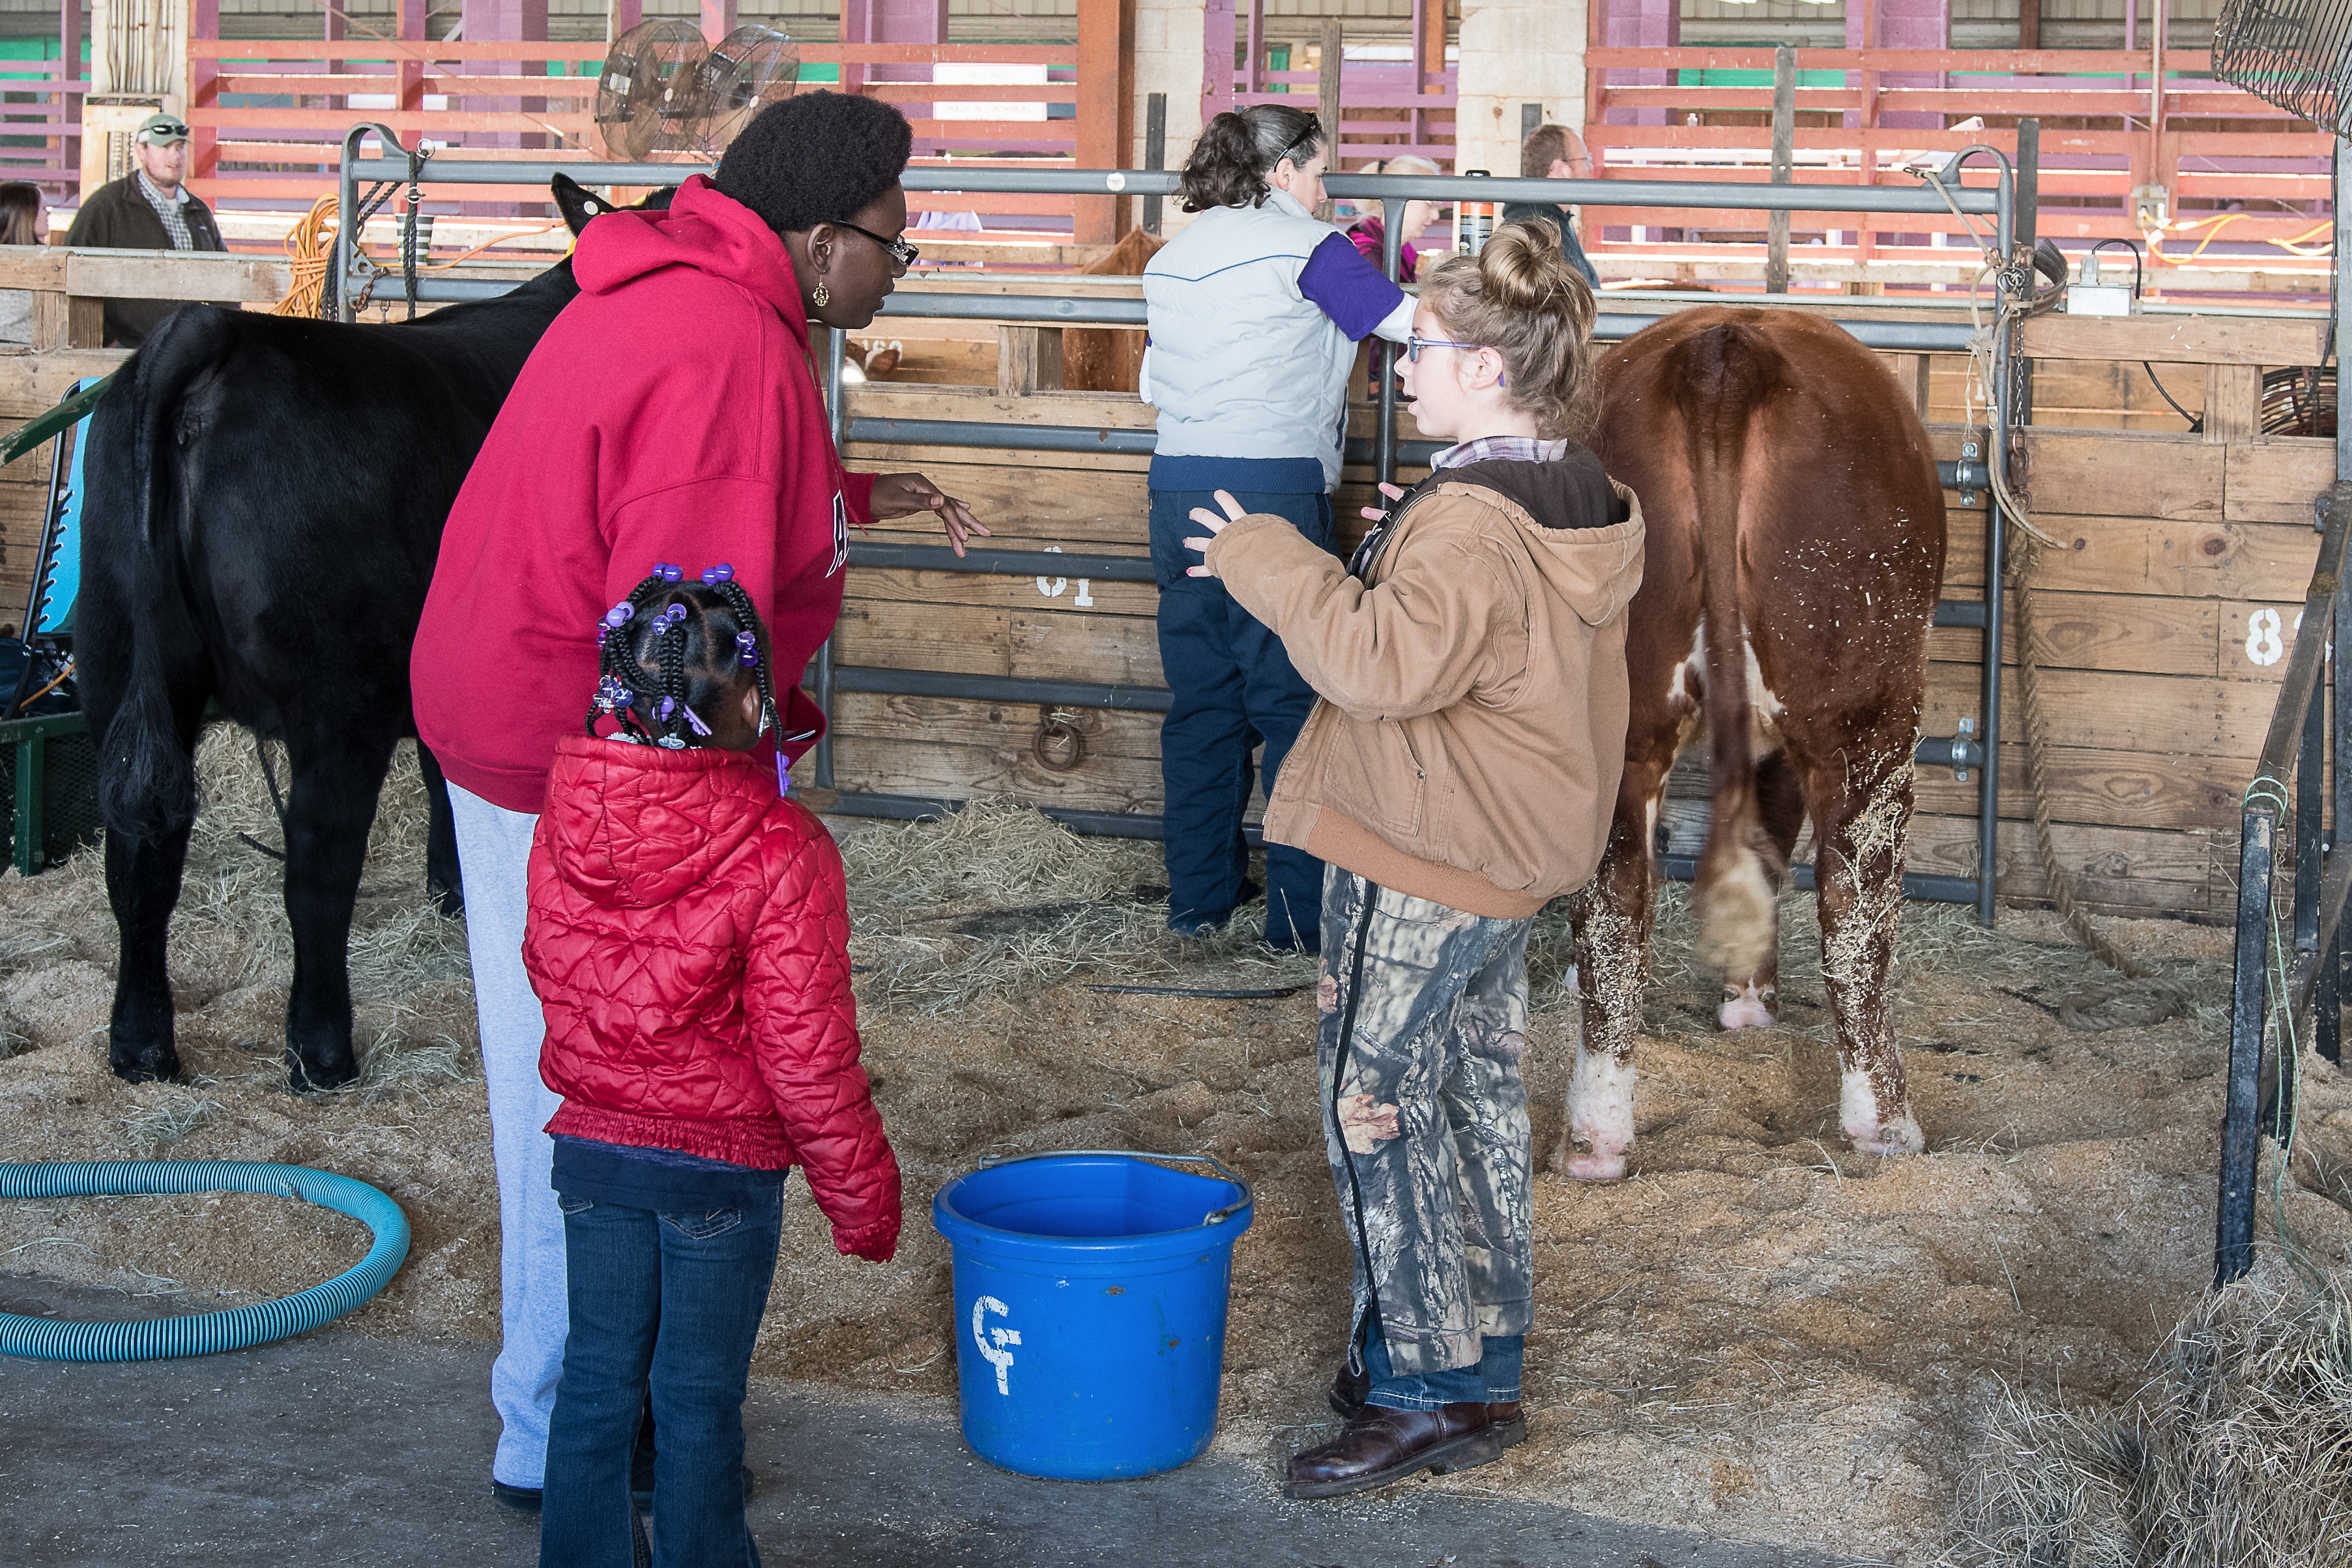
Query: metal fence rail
x,y
2275,986
2009,202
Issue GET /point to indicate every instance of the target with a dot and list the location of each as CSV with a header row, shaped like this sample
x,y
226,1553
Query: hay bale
x,y
2237,1455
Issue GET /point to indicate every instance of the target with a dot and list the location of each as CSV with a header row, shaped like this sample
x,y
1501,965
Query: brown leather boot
x,y
1381,1445
1349,1389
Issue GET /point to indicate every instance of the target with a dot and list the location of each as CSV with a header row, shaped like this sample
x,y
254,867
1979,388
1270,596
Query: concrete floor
x,y
340,1448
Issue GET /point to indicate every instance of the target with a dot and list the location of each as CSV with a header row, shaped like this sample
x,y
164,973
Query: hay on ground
x,y
2237,1455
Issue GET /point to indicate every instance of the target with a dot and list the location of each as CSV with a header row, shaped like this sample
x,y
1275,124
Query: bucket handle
x,y
1215,1216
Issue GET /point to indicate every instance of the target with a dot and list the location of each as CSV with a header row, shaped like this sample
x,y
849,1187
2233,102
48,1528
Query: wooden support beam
x,y
1028,360
2175,340
2233,399
1105,110
1327,99
68,321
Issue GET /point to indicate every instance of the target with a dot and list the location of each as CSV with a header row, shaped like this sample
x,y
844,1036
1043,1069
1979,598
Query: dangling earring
x,y
821,296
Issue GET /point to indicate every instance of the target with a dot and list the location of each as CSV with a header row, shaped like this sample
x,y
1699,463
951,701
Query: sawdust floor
x,y
1759,1334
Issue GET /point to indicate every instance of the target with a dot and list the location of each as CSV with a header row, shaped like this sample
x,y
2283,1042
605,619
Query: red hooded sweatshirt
x,y
671,414
689,939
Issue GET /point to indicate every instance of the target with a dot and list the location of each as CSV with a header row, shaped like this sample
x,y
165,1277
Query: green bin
x,y
49,769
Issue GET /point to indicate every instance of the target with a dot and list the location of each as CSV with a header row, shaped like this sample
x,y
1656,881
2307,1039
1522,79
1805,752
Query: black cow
x,y
266,502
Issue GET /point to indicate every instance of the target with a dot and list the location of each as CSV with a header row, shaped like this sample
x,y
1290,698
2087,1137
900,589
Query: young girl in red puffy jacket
x,y
688,939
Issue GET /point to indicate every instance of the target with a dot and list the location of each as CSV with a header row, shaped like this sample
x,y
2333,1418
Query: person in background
x,y
1370,234
149,208
688,937
1555,152
23,216
1459,771
1254,314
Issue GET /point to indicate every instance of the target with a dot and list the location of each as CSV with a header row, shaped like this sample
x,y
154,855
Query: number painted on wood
x,y
2264,645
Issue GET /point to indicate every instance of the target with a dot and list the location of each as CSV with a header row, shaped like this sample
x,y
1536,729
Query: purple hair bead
x,y
667,572
620,615
723,573
694,718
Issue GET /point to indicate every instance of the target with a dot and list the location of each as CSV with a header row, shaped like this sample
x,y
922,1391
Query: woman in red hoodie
x,y
671,413
688,937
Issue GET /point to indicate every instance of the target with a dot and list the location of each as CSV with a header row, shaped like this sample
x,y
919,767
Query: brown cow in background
x,y
1109,359
1795,554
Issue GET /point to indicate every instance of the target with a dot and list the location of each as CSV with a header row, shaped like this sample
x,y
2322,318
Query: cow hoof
x,y
1900,1136
149,1064
305,1078
1598,1167
1745,1009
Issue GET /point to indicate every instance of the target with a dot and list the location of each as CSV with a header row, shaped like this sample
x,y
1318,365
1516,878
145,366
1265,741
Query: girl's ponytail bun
x,y
1523,269
1520,296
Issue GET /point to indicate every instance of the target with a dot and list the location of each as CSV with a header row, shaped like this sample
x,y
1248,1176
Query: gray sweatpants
x,y
494,853
1425,1118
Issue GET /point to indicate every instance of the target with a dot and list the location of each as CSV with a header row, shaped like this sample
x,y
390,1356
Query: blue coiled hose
x,y
45,1339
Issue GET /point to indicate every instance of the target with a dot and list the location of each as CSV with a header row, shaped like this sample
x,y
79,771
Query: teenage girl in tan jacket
x,y
1457,774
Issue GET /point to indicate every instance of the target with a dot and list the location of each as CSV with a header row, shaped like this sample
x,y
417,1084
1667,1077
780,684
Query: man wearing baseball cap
x,y
149,208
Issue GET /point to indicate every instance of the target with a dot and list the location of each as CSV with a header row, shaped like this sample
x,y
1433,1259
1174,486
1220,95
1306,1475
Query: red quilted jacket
x,y
689,938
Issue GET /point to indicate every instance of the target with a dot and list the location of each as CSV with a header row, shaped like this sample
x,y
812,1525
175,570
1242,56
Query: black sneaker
x,y
527,1499
522,1499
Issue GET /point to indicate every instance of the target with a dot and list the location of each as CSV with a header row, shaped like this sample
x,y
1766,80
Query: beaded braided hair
x,y
669,655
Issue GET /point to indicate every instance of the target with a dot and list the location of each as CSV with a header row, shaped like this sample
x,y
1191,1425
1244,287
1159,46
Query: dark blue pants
x,y
1233,687
674,1299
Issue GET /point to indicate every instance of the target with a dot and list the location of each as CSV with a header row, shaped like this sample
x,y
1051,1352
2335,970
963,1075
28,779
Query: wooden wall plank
x,y
1023,593
1023,503
2179,340
958,640
2274,480
2105,788
932,768
2160,716
2123,474
2140,633
2145,870
2191,559
986,406
997,726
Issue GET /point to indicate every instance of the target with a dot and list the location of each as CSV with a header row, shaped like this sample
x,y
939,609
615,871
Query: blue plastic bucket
x,y
1090,1309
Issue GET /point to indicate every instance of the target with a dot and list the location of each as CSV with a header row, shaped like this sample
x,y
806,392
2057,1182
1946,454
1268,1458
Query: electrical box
x,y
2151,207
2089,296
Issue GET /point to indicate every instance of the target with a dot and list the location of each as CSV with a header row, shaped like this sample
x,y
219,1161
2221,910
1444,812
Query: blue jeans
x,y
1494,1381
1232,686
676,1300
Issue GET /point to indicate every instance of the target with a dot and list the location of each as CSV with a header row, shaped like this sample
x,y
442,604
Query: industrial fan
x,y
648,82
665,90
2297,54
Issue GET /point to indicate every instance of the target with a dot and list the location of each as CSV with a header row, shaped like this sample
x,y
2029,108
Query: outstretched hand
x,y
1381,513
1215,525
897,495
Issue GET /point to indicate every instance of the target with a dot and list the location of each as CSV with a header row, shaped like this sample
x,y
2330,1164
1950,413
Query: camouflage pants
x,y
1425,1118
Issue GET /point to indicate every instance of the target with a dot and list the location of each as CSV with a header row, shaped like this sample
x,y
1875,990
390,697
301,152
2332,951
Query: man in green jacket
x,y
149,208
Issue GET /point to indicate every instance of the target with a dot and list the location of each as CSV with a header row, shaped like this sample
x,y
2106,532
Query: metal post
x,y
1530,120
836,349
2233,1244
1784,166
2009,410
1155,153
2331,971
1327,97
32,825
2309,756
1384,438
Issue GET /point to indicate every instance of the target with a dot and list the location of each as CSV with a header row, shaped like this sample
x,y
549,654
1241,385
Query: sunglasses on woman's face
x,y
1416,342
900,251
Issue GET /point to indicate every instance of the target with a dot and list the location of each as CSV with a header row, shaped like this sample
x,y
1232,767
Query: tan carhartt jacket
x,y
1471,730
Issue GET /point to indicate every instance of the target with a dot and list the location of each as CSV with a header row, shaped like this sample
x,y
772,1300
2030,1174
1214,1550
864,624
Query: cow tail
x,y
1727,373
147,777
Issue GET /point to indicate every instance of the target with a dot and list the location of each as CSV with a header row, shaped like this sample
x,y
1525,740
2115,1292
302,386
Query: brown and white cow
x,y
1796,551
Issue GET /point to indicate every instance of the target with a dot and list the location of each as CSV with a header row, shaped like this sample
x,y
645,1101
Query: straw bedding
x,y
1760,1334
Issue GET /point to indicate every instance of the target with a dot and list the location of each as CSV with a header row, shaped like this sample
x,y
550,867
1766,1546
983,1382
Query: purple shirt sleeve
x,y
1347,288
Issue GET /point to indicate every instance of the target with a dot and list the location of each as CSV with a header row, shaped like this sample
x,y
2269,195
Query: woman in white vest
x,y
1255,310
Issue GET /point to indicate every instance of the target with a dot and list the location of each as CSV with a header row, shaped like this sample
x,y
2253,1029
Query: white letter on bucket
x,y
996,1354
